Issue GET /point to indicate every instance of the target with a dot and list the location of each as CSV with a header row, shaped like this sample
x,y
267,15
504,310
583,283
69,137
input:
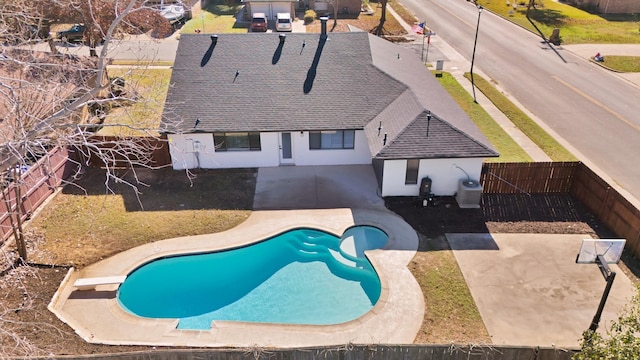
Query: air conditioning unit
x,y
469,194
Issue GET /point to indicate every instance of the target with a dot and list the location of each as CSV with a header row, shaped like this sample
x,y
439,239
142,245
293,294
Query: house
x,y
609,6
261,100
269,7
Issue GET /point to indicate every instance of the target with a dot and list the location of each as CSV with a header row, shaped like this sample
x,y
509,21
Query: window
x,y
411,175
336,139
237,141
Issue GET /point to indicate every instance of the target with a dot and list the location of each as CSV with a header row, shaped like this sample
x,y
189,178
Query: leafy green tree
x,y
622,339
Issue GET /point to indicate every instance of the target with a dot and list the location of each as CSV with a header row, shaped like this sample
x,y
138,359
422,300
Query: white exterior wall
x,y
444,174
183,154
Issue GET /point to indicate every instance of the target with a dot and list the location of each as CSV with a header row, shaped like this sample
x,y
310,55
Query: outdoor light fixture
x,y
473,57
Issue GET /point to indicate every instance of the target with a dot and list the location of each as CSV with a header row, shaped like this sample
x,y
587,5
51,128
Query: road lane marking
x,y
597,103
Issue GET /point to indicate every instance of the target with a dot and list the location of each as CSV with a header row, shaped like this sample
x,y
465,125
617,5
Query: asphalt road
x,y
594,112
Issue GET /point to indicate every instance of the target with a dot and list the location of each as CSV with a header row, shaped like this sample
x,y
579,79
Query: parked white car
x,y
283,22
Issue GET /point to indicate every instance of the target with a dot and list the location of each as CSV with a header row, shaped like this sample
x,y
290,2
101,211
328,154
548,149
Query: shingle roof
x,y
250,82
276,88
432,139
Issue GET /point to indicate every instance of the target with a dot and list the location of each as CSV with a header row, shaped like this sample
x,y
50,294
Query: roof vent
x,y
214,39
323,27
282,38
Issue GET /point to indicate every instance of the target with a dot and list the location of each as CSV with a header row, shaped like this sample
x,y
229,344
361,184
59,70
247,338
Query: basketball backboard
x,y
610,249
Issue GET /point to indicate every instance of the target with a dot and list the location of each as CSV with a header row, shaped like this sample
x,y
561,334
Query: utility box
x,y
425,187
469,194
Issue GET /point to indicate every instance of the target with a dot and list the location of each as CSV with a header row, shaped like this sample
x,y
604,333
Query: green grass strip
x,y
509,150
622,63
523,122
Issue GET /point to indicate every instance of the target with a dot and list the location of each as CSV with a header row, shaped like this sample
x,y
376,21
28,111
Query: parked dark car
x,y
259,22
75,33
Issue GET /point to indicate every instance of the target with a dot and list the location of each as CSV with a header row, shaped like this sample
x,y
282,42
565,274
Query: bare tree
x,y
383,18
50,99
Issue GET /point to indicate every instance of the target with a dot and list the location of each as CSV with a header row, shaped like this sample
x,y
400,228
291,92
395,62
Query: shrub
x,y
309,16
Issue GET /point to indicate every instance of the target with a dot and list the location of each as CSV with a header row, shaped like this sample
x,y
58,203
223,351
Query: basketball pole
x,y
609,276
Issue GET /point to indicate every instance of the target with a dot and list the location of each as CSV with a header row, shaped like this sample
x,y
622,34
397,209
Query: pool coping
x,y
96,316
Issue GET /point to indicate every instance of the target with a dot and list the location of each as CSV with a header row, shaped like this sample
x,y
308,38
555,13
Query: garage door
x,y
279,7
260,7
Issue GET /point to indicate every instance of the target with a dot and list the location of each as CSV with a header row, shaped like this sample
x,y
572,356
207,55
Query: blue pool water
x,y
303,276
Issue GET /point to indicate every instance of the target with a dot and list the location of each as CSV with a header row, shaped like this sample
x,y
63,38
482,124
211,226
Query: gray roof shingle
x,y
434,139
276,88
252,82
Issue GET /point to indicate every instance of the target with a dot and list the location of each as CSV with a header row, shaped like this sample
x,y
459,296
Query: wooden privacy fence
x,y
38,182
347,352
124,152
575,178
532,178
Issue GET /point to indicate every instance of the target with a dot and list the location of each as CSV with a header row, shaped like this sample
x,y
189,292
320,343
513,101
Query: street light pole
x,y
473,57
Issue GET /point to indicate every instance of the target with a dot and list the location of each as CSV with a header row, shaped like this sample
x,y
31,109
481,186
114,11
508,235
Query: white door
x,y
286,150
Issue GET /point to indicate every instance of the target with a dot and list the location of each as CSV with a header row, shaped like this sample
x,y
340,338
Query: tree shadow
x,y
547,16
222,7
171,190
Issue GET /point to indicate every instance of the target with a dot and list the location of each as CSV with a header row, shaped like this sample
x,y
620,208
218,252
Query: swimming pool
x,y
303,276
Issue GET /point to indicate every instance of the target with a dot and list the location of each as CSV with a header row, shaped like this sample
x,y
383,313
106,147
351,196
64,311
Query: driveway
x,y
317,187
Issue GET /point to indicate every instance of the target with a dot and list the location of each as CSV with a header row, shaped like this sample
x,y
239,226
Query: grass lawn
x,y
85,223
509,150
217,17
149,85
576,26
451,314
622,63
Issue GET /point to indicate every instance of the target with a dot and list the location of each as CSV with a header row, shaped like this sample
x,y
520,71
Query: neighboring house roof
x,y
253,82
